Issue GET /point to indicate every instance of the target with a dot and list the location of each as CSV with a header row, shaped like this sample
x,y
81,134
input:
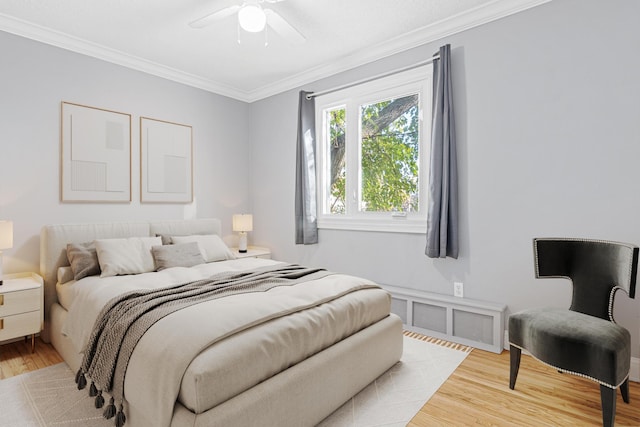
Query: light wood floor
x,y
477,393
16,358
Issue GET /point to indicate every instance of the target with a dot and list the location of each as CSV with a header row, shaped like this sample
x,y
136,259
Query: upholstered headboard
x,y
54,240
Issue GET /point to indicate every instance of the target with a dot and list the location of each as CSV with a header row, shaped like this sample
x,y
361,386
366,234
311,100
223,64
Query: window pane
x,y
337,132
390,155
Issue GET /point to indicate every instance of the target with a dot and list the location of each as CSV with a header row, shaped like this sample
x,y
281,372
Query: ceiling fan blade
x,y
283,28
213,17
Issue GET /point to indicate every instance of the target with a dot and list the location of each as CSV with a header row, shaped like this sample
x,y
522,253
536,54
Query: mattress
x,y
243,360
239,362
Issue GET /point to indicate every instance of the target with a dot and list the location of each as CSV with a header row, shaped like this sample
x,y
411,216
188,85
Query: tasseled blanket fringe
x,y
81,380
99,403
120,418
93,391
110,411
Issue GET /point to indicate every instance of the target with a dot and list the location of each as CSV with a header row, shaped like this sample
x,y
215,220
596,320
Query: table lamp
x,y
6,240
242,223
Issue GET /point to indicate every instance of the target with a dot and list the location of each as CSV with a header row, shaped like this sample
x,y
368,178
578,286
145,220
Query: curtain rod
x,y
369,79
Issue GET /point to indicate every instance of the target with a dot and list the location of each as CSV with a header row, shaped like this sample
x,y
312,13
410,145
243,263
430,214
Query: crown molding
x,y
481,15
464,21
35,32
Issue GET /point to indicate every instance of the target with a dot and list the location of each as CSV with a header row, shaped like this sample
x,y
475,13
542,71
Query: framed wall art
x,y
166,162
95,154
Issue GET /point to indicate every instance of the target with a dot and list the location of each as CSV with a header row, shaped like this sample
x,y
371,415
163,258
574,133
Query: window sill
x,y
383,225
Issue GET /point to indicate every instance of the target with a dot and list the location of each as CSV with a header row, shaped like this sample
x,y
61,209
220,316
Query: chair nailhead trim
x,y
570,372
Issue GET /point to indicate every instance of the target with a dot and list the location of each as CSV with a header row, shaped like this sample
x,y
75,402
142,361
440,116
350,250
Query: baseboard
x,y
634,371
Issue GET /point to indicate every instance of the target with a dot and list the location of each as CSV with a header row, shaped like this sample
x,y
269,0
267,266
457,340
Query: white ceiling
x,y
154,36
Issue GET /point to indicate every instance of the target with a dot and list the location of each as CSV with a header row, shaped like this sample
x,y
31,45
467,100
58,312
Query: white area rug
x,y
48,397
398,394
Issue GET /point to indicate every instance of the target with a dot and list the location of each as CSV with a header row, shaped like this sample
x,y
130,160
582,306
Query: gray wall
x,y
35,78
548,121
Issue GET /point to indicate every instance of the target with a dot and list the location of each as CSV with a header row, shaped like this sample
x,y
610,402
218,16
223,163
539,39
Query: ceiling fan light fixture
x,y
252,18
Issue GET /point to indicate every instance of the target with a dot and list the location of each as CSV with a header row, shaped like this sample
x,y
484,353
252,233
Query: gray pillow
x,y
211,246
180,255
166,239
83,259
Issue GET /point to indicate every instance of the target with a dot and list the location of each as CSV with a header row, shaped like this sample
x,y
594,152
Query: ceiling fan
x,y
254,18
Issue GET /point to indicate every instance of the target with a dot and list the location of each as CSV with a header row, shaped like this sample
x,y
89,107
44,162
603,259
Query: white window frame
x,y
417,80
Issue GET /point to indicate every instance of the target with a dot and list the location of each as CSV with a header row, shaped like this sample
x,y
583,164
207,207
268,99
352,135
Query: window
x,y
373,154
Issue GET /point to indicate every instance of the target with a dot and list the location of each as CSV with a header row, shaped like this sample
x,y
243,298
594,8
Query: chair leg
x,y
514,365
624,390
608,400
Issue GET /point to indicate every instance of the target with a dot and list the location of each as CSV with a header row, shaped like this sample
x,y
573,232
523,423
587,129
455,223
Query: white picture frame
x,y
95,154
166,162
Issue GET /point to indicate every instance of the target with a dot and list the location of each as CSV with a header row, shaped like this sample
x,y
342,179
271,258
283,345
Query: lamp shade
x,y
6,234
242,222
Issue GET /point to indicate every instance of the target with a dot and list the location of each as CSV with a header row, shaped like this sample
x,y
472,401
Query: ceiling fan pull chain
x,y
266,36
238,28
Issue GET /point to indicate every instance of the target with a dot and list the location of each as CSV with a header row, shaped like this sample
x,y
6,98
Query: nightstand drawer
x,y
265,256
19,301
19,325
253,252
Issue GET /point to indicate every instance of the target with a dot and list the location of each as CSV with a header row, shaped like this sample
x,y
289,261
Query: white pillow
x,y
126,256
211,246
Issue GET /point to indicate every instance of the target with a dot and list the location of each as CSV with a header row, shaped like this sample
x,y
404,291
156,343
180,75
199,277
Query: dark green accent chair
x,y
583,340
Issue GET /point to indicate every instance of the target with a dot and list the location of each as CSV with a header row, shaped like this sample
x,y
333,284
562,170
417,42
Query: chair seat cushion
x,y
574,342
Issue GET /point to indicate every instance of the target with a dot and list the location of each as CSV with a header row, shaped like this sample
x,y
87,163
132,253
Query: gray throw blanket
x,y
125,319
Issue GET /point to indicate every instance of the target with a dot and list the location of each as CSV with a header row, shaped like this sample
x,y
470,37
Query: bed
x,y
292,364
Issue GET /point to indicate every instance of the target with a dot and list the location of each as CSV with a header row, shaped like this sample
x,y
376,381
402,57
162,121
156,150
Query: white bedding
x,y
85,298
243,360
260,334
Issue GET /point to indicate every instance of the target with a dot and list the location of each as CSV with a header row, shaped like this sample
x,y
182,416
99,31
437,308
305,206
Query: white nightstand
x,y
21,306
253,252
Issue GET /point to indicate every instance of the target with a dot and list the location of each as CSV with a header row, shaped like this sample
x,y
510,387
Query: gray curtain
x,y
306,212
442,214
